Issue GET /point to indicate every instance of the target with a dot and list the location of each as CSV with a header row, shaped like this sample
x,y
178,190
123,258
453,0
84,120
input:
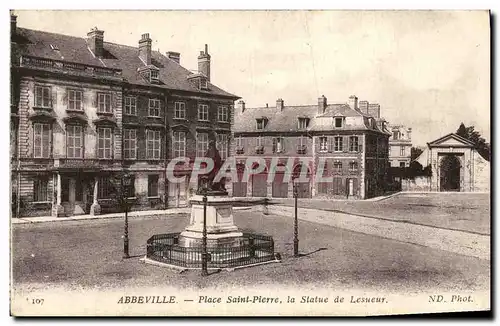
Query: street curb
x,y
33,220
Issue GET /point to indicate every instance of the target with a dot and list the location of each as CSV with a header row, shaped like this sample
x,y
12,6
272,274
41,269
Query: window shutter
x,y
345,143
283,144
53,98
65,98
94,100
331,144
274,145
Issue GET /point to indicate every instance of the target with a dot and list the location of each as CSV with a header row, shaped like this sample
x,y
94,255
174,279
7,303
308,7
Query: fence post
x,y
251,243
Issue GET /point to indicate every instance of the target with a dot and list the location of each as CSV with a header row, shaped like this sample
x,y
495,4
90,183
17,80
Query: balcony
x,y
70,67
301,149
240,150
259,150
86,164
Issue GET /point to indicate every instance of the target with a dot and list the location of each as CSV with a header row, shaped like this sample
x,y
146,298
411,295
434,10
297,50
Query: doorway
x,y
449,173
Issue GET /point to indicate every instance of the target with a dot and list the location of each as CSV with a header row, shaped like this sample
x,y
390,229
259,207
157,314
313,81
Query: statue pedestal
x,y
221,231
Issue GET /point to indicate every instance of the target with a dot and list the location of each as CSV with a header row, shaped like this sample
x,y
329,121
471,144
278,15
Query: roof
x,y
451,139
286,120
74,49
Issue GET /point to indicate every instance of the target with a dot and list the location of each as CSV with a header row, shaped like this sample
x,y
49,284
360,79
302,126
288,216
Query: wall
x,y
418,184
481,172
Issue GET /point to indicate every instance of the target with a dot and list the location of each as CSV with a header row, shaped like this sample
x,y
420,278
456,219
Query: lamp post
x,y
204,254
295,222
125,187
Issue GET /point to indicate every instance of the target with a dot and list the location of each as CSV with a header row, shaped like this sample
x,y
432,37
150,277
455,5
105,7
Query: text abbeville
x,y
146,299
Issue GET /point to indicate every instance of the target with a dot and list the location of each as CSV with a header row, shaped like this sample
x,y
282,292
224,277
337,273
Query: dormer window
x,y
203,83
261,123
338,122
154,76
303,123
150,73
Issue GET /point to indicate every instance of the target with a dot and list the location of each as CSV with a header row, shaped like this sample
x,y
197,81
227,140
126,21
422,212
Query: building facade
x,y
85,111
348,139
399,146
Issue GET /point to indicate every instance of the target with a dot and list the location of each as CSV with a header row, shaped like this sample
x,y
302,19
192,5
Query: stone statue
x,y
206,184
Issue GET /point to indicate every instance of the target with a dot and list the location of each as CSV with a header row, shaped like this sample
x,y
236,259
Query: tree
x,y
415,152
480,144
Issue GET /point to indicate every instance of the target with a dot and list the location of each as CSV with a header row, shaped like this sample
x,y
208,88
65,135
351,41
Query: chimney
x,y
204,62
280,104
13,24
374,110
322,103
175,56
267,105
95,41
145,49
353,102
241,104
363,107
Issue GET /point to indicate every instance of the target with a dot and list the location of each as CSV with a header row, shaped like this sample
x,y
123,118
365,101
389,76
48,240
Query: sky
x,y
429,70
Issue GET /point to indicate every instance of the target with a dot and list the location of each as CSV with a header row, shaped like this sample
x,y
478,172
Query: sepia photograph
x,y
249,162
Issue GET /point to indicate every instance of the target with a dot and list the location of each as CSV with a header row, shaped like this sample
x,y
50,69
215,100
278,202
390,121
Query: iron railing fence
x,y
253,249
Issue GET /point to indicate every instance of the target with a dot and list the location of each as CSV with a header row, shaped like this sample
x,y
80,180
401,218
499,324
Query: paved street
x,y
457,211
88,254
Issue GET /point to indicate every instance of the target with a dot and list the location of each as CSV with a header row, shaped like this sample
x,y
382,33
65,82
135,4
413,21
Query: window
x,y
338,122
130,190
222,114
239,145
261,124
75,100
353,166
130,105
104,143
260,145
42,97
278,145
154,75
203,83
395,135
154,107
42,141
104,188
302,145
40,189
338,141
337,167
323,144
153,185
179,144
74,141
260,141
103,103
201,144
180,110
353,144
153,144
222,145
203,112
402,164
303,122
130,144
402,151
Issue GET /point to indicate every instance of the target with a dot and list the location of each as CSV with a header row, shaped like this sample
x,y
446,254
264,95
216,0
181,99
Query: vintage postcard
x,y
249,163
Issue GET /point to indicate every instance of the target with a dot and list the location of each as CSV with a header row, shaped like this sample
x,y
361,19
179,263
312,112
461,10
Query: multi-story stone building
x,y
349,137
84,111
399,146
